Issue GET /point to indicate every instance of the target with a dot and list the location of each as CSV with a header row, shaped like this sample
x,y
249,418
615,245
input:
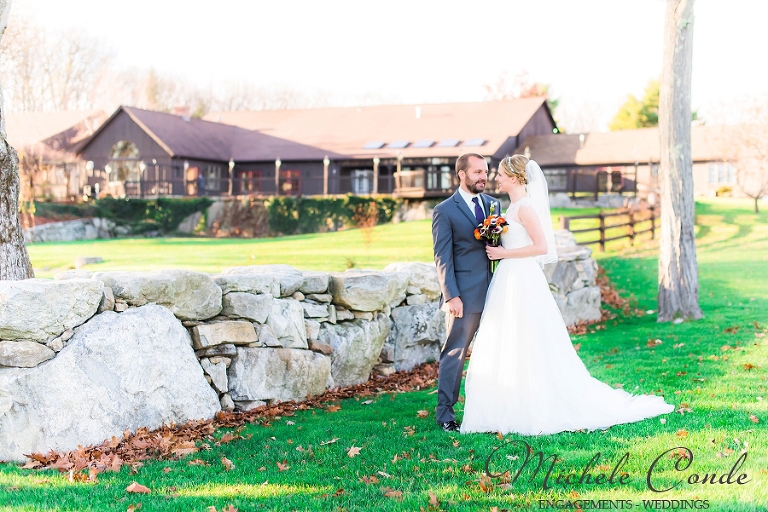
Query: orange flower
x,y
477,234
504,230
487,222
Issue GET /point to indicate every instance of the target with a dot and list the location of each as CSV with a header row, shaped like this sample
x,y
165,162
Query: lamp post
x,y
326,163
231,176
186,178
278,163
376,175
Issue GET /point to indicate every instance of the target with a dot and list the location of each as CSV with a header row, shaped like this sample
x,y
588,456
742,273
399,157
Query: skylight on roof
x,y
423,143
374,144
448,143
398,144
474,142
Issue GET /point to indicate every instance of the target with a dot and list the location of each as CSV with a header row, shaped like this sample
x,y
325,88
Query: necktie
x,y
479,215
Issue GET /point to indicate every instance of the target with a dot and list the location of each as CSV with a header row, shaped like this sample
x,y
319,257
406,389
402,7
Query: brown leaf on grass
x,y
283,466
133,448
137,488
339,492
370,479
748,366
333,408
576,347
227,437
485,483
355,450
392,493
422,414
732,330
228,465
133,507
197,462
754,419
682,433
433,501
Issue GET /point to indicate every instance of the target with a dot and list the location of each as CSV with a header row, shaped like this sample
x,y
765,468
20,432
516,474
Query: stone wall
x,y
86,356
72,230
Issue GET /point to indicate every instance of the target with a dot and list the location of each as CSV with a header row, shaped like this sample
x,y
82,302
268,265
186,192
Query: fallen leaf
x,y
422,414
391,493
197,462
133,507
576,347
748,366
333,408
370,479
137,488
385,475
355,450
682,433
329,442
433,501
754,419
367,402
227,464
283,466
339,492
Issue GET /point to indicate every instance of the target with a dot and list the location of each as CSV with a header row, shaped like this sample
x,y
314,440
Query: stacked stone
x,y
572,280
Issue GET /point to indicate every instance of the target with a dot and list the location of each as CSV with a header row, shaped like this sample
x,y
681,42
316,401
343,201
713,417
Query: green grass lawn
x,y
713,370
337,251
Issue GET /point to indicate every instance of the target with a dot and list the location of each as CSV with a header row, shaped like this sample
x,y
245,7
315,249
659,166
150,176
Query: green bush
x,y
142,215
289,215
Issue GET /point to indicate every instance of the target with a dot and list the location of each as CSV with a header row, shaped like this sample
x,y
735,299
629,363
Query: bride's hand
x,y
495,253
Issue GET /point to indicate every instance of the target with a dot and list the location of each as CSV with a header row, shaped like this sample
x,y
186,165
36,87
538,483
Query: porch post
x,y
277,176
326,163
376,175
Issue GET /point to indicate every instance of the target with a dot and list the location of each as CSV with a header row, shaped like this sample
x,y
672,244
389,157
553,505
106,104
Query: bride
x,y
524,375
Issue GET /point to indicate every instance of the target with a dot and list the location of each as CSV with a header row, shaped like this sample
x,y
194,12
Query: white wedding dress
x,y
524,375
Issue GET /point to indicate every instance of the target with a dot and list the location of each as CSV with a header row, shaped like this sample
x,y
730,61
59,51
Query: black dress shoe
x,y
449,426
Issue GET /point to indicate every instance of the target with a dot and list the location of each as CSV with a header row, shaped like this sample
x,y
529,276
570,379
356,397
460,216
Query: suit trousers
x,y
459,334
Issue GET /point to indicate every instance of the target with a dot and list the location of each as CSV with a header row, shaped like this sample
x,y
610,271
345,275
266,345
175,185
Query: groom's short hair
x,y
462,163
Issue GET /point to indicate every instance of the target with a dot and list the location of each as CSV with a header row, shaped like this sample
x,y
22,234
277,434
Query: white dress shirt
x,y
468,199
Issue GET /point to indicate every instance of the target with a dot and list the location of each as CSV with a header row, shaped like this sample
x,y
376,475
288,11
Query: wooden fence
x,y
633,217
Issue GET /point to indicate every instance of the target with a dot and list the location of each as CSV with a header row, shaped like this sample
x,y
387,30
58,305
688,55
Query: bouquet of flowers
x,y
491,230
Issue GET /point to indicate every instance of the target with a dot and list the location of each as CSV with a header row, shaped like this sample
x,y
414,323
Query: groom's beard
x,y
476,187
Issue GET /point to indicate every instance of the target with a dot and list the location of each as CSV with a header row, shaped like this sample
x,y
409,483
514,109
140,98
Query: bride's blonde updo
x,y
515,166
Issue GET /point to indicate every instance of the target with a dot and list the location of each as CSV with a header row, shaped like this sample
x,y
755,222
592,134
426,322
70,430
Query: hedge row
x,y
294,215
287,215
139,215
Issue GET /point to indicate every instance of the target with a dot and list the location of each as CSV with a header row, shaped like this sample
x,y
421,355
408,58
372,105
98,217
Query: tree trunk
x,y
678,269
757,209
14,259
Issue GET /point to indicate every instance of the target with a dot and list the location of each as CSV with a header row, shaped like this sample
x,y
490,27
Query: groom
x,y
463,270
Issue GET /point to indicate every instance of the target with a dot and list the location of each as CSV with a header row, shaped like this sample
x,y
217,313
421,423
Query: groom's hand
x,y
456,307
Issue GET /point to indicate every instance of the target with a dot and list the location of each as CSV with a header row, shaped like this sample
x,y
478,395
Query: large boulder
x,y
418,333
120,371
286,319
421,275
356,347
290,278
277,374
41,309
189,295
368,290
581,305
255,308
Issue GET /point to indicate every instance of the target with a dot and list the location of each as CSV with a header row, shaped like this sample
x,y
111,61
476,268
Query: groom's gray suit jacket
x,y
463,267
